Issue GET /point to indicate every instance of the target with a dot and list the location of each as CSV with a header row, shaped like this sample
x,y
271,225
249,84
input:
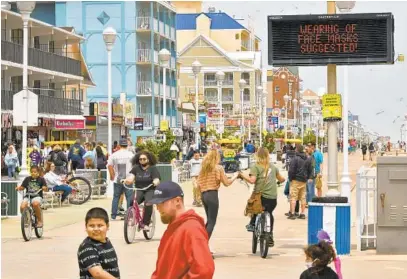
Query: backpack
x,y
56,159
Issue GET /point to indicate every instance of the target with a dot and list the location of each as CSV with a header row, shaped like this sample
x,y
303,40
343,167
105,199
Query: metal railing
x,y
143,23
227,82
42,59
147,119
144,88
210,82
144,55
366,208
245,44
46,104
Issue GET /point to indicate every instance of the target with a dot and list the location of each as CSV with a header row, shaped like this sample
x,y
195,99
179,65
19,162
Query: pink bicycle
x,y
134,219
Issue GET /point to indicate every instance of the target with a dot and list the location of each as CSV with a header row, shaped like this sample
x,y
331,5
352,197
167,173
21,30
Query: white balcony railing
x,y
211,99
209,82
155,24
144,55
227,99
144,88
161,24
167,31
228,82
156,88
155,57
245,44
146,119
143,23
173,33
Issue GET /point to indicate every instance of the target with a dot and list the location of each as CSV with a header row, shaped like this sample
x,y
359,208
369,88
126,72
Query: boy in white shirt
x,y
196,165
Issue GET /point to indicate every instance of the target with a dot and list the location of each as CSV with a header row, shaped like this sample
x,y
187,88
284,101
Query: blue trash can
x,y
335,219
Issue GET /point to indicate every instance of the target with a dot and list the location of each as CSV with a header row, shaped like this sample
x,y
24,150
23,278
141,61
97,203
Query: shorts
x,y
297,191
38,199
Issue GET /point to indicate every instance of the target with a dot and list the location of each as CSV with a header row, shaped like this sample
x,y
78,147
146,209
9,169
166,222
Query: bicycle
x,y
29,220
81,188
134,219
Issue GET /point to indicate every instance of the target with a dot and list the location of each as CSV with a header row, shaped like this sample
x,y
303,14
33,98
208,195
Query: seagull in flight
x,y
394,121
380,112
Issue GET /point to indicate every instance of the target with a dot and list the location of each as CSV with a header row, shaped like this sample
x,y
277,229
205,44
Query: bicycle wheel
x,y
81,190
254,242
264,237
26,224
149,235
39,231
130,225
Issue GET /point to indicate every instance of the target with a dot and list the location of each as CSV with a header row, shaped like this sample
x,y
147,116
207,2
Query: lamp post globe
x,y
196,67
109,36
242,84
259,89
220,76
164,56
25,7
295,102
345,6
286,99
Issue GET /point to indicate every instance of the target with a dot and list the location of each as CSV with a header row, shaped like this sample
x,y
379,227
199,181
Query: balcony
x,y
245,44
144,55
211,99
210,83
227,82
172,33
155,24
41,59
144,88
147,120
46,104
227,99
246,98
143,23
161,28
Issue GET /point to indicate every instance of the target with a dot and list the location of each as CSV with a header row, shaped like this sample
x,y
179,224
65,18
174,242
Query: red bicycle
x,y
134,219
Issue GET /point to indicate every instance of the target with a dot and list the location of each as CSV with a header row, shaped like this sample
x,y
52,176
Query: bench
x,y
50,197
97,180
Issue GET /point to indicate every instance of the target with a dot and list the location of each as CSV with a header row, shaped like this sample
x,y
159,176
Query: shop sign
x,y
69,124
129,110
103,109
129,122
164,125
44,122
90,122
138,124
116,120
117,110
86,133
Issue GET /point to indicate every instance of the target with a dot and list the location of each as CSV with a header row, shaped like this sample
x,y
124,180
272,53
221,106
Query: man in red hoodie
x,y
183,252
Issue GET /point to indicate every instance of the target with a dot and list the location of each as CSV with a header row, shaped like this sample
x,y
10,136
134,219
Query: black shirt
x,y
32,184
326,273
145,177
93,253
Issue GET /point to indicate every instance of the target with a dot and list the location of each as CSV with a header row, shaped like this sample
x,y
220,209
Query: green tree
x,y
268,141
160,149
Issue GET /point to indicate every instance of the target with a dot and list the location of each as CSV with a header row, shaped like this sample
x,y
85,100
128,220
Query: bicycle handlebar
x,y
134,188
30,194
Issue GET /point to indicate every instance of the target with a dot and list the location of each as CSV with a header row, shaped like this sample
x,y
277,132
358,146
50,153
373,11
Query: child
x,y
317,258
96,255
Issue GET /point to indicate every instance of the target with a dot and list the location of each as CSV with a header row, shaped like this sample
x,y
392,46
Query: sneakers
x,y
295,214
291,216
271,242
301,216
250,228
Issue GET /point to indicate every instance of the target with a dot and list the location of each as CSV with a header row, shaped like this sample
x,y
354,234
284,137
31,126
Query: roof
x,y
218,21
309,93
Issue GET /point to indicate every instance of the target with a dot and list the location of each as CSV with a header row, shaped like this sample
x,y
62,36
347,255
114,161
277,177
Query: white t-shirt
x,y
120,160
196,166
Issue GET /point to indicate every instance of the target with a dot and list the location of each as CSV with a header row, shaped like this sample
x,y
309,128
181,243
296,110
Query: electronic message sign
x,y
343,39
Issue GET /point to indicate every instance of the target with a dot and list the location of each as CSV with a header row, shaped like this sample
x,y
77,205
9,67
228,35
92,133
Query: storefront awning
x,y
187,107
69,122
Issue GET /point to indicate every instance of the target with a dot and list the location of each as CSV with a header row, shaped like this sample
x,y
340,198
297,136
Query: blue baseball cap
x,y
123,142
165,191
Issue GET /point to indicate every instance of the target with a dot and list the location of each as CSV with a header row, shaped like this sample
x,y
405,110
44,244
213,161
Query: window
x,y
277,103
81,94
37,42
277,89
16,83
237,36
37,87
51,91
51,46
17,36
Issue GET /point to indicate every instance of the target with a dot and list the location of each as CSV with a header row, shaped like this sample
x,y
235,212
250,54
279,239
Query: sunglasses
x,y
143,159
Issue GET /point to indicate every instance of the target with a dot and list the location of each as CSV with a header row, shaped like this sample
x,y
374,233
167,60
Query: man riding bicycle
x,y
33,184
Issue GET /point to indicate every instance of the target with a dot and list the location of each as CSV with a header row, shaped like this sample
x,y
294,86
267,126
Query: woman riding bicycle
x,y
145,172
55,182
264,175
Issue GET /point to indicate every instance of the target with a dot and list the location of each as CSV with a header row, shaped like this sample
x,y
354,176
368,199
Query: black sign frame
x,y
138,124
318,59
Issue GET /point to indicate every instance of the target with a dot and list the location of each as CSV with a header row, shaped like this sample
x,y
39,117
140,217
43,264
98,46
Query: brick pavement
x,y
56,253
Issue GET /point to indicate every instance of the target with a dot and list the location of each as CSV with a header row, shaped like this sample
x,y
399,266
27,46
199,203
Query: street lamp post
x,y
295,103
303,103
242,84
196,69
405,131
164,57
220,76
260,102
25,8
286,99
345,6
109,36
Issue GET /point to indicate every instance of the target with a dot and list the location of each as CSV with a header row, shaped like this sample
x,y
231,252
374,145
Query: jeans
x,y
145,196
210,200
310,190
11,171
269,206
119,189
65,188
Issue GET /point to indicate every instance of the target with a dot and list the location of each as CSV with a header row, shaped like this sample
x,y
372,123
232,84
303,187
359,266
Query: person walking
x,y
210,178
119,165
299,172
196,165
35,156
264,176
57,156
183,252
371,151
101,159
11,161
75,154
364,150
